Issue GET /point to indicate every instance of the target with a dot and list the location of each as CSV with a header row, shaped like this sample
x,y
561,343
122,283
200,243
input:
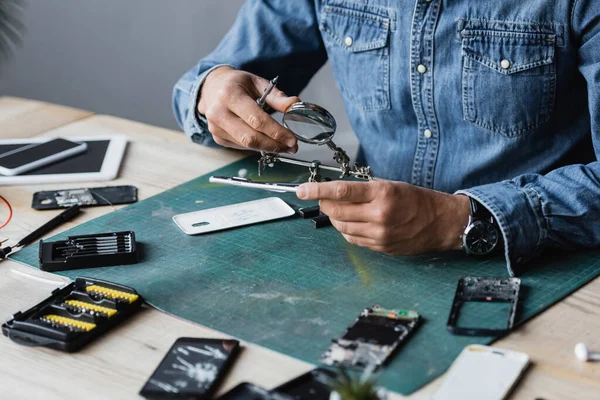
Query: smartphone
x,y
483,373
88,197
35,155
249,391
270,186
191,369
315,385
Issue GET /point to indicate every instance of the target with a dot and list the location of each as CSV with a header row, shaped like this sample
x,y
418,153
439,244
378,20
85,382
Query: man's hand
x,y
228,100
392,217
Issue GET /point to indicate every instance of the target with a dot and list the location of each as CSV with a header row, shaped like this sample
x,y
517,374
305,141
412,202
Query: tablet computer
x,y
100,162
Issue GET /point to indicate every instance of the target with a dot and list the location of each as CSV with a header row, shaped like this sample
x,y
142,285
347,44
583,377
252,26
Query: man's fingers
x,y
252,114
222,138
342,211
363,242
359,229
374,233
227,143
354,192
248,138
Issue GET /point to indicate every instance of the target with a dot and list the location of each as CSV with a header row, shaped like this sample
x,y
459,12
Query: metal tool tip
x,y
274,81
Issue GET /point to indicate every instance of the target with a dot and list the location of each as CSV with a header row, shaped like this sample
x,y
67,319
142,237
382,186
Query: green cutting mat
x,y
289,287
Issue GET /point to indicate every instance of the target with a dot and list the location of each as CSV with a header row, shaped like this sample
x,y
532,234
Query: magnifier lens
x,y
310,123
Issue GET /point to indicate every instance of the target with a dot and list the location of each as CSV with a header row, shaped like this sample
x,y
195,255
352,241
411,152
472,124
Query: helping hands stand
x,y
313,116
315,166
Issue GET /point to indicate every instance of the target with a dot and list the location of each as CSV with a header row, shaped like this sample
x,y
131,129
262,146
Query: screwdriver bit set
x,y
87,251
74,315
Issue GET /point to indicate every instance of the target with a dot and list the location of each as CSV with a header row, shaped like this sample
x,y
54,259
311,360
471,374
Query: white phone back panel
x,y
482,373
216,219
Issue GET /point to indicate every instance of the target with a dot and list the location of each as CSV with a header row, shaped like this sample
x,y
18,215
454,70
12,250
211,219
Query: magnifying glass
x,y
310,123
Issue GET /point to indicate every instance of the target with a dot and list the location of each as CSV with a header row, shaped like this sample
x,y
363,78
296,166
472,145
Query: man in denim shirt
x,y
495,102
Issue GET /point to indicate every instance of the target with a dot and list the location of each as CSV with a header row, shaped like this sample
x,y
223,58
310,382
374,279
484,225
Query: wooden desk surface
x,y
117,365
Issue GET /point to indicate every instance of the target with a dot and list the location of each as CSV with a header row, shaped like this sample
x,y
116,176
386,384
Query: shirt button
x,y
427,133
421,68
348,41
505,64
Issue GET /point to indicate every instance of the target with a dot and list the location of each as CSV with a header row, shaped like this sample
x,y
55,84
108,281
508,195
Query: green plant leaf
x,y
355,387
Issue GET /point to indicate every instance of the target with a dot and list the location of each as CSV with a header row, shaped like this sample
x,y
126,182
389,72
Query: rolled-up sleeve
x,y
562,208
186,95
268,38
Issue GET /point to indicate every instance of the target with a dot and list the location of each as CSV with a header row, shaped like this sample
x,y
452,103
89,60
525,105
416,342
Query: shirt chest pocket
x,y
357,46
509,80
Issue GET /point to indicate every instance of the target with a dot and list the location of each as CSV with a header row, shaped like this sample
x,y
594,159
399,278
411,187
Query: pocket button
x,y
348,41
505,64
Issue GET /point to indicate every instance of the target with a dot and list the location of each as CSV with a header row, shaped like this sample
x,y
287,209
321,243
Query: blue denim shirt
x,y
499,100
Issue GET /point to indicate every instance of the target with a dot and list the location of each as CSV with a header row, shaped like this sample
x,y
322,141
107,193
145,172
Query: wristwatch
x,y
482,235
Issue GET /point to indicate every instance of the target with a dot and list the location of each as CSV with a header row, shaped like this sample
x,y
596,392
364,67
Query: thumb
x,y
279,101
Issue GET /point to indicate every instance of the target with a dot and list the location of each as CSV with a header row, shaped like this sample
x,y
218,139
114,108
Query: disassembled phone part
x,y
233,215
484,289
482,372
101,196
373,337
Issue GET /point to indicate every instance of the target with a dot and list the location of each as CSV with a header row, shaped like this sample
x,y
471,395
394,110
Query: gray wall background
x,y
122,57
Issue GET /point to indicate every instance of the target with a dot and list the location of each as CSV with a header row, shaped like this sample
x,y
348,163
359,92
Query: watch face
x,y
481,238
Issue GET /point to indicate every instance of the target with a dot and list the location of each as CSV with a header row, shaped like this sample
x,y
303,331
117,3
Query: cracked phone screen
x,y
192,367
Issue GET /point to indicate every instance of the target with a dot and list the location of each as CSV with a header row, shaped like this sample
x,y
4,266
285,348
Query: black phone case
x,y
151,393
85,197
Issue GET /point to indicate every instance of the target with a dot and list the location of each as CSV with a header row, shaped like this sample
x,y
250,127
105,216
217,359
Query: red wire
x,y
10,212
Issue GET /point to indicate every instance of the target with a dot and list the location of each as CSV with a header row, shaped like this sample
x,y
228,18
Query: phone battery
x,y
371,339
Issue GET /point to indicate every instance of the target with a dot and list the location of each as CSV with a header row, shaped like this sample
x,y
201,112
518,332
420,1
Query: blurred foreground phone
x,y
192,369
315,385
482,373
249,391
36,155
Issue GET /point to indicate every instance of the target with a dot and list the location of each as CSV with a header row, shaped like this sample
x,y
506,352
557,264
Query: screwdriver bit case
x,y
88,251
74,315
